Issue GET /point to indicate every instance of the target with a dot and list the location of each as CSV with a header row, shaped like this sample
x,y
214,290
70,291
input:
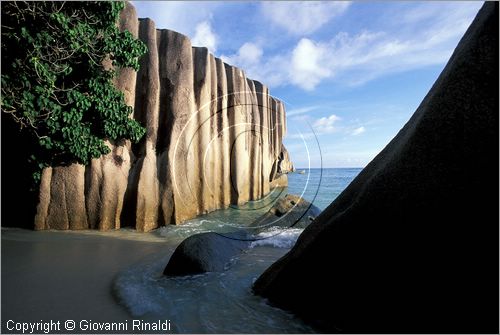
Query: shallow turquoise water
x,y
223,302
327,183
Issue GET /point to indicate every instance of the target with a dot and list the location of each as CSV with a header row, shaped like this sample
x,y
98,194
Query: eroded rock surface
x,y
214,138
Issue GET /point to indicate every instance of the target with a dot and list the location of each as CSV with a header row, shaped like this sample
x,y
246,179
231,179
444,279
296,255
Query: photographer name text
x,y
52,326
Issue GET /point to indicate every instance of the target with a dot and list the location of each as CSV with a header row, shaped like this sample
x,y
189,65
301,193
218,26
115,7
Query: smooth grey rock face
x,y
213,137
411,246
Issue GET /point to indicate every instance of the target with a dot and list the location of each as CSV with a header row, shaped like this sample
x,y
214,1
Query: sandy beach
x,y
59,276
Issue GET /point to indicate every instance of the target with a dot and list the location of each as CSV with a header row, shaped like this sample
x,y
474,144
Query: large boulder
x,y
212,252
412,244
205,252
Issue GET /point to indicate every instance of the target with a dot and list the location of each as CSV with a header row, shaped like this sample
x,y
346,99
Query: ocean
x,y
223,302
321,186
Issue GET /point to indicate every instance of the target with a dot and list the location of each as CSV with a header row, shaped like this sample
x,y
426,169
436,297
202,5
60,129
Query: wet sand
x,y
58,276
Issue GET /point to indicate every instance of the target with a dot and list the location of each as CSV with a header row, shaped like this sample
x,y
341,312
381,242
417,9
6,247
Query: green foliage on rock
x,y
57,78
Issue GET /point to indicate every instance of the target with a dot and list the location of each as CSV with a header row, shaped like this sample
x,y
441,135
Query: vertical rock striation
x,y
214,138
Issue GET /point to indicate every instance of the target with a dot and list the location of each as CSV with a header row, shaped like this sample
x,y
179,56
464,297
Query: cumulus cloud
x,y
181,16
303,66
302,17
427,37
205,37
357,58
248,55
326,125
358,131
307,66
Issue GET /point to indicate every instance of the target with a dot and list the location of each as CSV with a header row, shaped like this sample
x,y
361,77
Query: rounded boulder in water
x,y
205,252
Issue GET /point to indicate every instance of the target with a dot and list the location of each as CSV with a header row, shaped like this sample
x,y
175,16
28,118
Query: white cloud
x,y
326,125
302,110
181,16
248,55
205,37
307,66
302,67
420,35
302,17
428,38
358,131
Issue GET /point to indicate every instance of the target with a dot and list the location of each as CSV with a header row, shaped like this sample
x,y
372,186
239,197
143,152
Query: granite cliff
x,y
214,138
411,245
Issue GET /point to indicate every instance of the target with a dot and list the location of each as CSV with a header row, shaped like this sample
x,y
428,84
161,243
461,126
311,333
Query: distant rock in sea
x,y
214,138
287,212
411,246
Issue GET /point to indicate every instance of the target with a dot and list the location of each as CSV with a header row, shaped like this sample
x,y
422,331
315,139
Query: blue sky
x,y
351,72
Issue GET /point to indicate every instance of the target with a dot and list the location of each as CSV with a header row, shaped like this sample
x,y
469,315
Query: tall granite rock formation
x,y
214,138
411,246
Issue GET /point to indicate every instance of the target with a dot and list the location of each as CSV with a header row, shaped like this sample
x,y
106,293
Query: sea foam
x,y
277,237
